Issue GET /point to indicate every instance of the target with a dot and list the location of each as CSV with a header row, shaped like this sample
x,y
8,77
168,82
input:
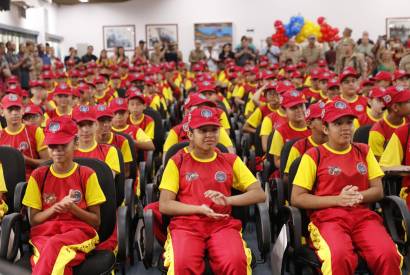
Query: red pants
x,y
340,234
189,240
60,245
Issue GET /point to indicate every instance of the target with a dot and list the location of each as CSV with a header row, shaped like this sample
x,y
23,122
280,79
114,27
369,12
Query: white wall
x,y
83,23
42,18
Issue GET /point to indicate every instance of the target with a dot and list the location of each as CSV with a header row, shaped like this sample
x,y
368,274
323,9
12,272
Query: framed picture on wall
x,y
119,36
398,27
213,34
164,33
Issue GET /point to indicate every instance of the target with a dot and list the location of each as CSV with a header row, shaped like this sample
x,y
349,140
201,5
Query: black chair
x,y
159,133
97,262
361,135
14,171
300,258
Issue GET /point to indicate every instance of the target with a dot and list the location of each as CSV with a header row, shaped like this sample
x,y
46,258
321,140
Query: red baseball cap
x,y
284,86
263,64
383,75
11,100
366,82
59,65
101,110
196,99
84,113
99,80
197,68
149,81
334,110
15,90
270,87
60,130
206,86
396,94
268,74
301,65
62,89
315,110
400,74
12,80
296,74
290,68
74,74
124,64
134,92
136,77
322,63
115,75
315,73
118,104
203,116
334,82
46,68
349,71
377,92
47,75
292,98
33,109
325,75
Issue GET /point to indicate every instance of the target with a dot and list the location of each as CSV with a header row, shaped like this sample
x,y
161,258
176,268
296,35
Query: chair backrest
x,y
14,171
159,133
285,154
120,180
258,142
292,173
134,163
173,150
108,208
361,135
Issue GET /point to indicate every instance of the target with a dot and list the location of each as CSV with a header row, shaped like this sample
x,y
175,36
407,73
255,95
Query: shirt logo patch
x,y
23,146
387,98
54,127
340,105
49,198
101,108
13,97
76,195
191,176
361,168
334,170
359,108
220,176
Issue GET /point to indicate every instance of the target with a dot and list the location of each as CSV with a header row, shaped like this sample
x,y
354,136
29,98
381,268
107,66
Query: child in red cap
x,y
336,182
63,203
201,216
136,107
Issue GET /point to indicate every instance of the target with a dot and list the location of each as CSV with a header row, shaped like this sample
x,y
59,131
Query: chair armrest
x,y
293,221
11,222
123,221
19,192
263,229
246,144
143,176
396,218
238,138
278,196
129,197
148,238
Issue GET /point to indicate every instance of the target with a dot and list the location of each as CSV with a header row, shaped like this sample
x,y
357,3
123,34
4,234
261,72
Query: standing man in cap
x,y
197,54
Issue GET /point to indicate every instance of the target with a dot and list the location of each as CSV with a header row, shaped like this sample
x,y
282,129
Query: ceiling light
x,y
83,1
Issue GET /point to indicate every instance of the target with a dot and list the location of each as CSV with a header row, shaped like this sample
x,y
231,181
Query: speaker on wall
x,y
4,5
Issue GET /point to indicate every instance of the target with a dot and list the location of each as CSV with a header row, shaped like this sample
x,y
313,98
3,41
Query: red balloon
x,y
320,20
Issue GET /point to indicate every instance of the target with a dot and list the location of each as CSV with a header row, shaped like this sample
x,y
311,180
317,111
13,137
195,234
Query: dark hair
x,y
243,38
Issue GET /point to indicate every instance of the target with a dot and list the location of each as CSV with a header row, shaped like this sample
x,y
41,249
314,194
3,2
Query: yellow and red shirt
x,y
189,178
285,133
47,187
134,131
298,149
272,121
259,114
3,190
380,133
29,140
103,152
146,123
358,105
367,119
122,144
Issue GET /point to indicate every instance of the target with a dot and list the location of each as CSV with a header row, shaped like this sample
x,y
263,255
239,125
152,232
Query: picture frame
x,y
398,27
119,36
164,33
214,34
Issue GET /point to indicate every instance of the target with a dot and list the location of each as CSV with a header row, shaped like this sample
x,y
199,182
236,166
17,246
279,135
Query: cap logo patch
x,y
220,176
28,109
321,104
119,101
13,97
400,88
340,105
84,109
63,86
202,96
307,114
101,108
206,83
294,93
205,113
387,98
287,83
54,127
